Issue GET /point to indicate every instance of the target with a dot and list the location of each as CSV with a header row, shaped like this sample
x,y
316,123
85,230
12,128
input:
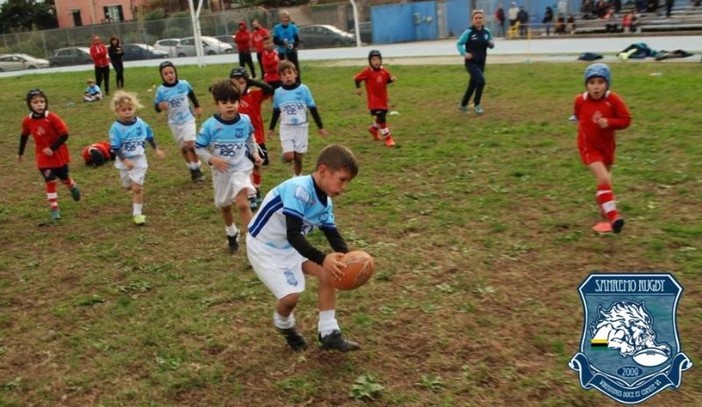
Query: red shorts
x,y
590,153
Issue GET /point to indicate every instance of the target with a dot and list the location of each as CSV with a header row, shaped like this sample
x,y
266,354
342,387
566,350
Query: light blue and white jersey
x,y
230,140
92,90
130,137
178,103
295,197
293,104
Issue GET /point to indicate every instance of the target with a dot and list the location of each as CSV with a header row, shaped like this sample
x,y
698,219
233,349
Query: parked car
x,y
227,39
18,62
135,52
323,35
210,46
366,32
70,56
169,45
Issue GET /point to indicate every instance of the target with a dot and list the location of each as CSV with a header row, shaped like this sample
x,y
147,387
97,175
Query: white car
x,y
18,62
169,45
210,46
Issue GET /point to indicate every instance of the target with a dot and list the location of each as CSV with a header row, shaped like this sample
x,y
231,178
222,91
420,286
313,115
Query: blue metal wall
x,y
404,22
457,16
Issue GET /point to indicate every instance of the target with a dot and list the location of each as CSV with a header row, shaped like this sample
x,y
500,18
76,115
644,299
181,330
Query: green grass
x,y
480,227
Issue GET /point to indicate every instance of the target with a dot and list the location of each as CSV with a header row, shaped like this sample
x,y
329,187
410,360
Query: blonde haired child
x,y
128,137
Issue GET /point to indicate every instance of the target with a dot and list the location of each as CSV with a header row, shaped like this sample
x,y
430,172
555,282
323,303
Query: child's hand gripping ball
x,y
359,269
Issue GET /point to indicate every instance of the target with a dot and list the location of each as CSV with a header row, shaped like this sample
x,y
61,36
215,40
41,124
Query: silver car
x,y
18,62
169,45
210,46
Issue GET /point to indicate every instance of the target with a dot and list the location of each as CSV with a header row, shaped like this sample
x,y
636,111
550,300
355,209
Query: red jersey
x,y
376,81
594,142
45,131
102,146
270,66
99,54
243,40
250,104
257,36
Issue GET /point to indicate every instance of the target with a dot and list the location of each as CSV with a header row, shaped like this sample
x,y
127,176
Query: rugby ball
x,y
650,357
359,269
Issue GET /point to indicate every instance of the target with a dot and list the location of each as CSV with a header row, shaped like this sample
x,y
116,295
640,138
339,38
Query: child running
x,y
253,94
290,103
270,62
128,137
600,112
376,79
281,255
172,96
224,141
51,154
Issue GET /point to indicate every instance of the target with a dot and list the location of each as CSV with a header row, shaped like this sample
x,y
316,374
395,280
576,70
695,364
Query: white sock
x,y
282,322
136,209
327,323
231,230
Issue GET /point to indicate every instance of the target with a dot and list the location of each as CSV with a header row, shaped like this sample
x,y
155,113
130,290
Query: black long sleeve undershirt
x,y
22,144
300,243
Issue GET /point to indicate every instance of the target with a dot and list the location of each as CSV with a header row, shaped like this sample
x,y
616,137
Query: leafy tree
x,y
23,15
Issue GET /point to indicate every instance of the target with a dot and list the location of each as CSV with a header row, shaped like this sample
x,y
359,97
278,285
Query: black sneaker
x,y
197,175
233,243
617,225
296,341
334,341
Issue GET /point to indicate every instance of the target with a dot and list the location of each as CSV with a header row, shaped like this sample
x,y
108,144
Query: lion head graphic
x,y
626,326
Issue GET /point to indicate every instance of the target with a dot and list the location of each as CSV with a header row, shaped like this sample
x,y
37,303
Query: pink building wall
x,y
72,13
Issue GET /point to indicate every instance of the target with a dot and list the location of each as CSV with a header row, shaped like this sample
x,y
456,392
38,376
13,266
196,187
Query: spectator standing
x,y
285,36
548,19
512,14
500,18
669,7
98,52
523,18
258,34
243,43
116,53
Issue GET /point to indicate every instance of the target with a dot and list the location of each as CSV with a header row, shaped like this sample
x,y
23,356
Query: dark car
x,y
366,32
70,56
135,52
322,35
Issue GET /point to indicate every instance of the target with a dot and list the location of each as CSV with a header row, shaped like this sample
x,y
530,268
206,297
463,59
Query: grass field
x,y
480,227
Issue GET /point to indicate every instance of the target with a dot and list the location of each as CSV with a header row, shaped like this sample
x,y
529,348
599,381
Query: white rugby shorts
x,y
294,138
183,132
136,175
278,269
227,186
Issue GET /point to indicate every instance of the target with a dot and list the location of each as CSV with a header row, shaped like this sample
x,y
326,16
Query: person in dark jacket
x,y
473,45
548,19
116,54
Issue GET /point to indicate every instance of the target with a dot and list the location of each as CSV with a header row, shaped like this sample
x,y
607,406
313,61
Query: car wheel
x,y
31,67
228,51
53,65
2,70
336,43
211,53
181,55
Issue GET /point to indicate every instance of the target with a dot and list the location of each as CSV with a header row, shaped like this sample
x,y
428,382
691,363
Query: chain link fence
x,y
42,43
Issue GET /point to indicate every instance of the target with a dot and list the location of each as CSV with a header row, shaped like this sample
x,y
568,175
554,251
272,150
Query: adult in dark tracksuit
x,y
473,45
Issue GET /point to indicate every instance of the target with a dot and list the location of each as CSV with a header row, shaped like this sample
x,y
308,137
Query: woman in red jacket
x,y
98,52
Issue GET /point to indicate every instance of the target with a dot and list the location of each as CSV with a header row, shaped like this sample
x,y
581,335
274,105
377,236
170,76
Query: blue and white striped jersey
x,y
178,103
296,197
293,104
230,140
130,137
